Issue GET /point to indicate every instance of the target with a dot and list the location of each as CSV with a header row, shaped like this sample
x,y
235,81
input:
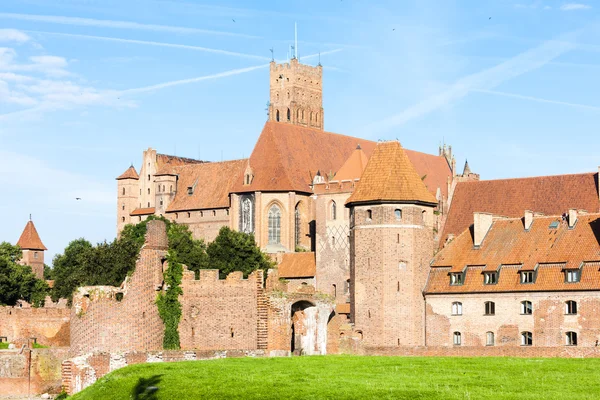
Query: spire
x,y
30,240
130,173
390,177
466,170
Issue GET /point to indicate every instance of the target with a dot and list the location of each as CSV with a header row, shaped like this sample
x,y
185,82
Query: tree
x,y
70,268
48,273
18,282
236,251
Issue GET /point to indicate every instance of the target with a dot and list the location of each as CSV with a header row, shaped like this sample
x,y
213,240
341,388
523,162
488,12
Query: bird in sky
x,y
489,18
77,198
233,19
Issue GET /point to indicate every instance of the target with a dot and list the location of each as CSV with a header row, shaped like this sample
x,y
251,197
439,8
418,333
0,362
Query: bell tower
x,y
296,95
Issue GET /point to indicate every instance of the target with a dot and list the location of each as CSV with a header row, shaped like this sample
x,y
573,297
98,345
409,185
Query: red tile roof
x,y
143,211
130,173
550,195
286,157
211,184
353,167
163,160
30,240
390,176
297,265
544,249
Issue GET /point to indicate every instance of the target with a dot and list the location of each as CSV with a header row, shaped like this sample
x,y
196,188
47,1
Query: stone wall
x,y
43,375
82,371
50,326
548,322
107,318
223,313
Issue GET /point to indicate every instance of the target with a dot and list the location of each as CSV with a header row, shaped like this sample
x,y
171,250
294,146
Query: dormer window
x,y
490,278
572,275
456,278
527,276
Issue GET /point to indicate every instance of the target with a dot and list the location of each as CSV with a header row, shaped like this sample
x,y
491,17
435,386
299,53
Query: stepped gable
x,y
297,265
550,195
30,240
353,167
391,177
509,248
210,184
130,173
286,157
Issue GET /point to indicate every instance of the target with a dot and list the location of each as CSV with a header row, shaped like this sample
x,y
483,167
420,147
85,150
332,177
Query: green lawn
x,y
3,346
349,377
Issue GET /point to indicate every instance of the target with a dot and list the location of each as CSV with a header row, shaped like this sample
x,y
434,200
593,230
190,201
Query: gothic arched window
x,y
274,225
247,216
289,114
277,115
333,210
298,222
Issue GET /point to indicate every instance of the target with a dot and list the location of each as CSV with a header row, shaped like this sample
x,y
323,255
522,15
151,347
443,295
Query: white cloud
x,y
484,80
13,35
574,7
9,96
103,23
538,99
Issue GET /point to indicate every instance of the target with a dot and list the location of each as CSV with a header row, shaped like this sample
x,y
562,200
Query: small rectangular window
x,y
457,308
456,278
526,308
572,275
527,277
490,308
490,278
489,339
457,339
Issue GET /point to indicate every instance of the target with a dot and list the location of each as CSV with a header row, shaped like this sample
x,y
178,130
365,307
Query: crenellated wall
x,y
223,313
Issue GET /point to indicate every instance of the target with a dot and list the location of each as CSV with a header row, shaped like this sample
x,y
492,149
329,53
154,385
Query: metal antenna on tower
x,y
319,59
272,56
296,39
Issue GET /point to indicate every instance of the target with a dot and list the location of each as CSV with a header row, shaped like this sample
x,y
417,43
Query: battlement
x,y
295,66
212,275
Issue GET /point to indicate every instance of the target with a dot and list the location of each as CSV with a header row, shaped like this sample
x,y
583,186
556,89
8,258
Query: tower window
x,y
398,214
214,213
489,339
189,214
148,176
333,210
123,207
122,219
526,308
148,190
35,255
123,191
148,204
277,114
490,308
369,214
289,115
571,339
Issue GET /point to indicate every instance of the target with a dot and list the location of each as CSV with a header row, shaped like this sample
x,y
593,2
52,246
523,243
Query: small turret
x,y
127,195
33,249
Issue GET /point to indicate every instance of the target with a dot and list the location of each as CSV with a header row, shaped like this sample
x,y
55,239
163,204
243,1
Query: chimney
x,y
528,219
572,217
482,222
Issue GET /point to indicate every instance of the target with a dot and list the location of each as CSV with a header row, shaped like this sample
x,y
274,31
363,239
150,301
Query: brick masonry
x,y
50,326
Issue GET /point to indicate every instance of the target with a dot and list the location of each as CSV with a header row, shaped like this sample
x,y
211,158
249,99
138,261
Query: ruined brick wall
x,y
101,320
223,313
333,246
548,323
49,325
45,371
390,264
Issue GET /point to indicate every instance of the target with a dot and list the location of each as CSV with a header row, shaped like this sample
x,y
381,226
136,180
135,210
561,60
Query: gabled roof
x,y
143,211
390,176
130,173
286,157
210,183
30,240
507,243
353,167
297,265
550,195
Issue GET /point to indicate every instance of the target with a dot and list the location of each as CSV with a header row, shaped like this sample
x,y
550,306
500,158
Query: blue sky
x,y
86,85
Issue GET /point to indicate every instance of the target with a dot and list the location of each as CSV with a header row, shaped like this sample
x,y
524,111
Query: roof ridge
x,y
530,177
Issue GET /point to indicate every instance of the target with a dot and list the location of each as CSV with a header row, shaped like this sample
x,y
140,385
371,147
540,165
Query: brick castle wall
x,y
101,320
223,313
50,326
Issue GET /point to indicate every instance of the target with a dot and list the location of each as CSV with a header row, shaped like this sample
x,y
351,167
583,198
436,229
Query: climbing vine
x,y
169,307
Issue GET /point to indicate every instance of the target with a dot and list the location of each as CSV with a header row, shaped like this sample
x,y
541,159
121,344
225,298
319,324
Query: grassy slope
x,y
346,377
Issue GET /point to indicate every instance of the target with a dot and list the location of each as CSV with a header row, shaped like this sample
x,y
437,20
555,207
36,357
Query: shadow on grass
x,y
146,389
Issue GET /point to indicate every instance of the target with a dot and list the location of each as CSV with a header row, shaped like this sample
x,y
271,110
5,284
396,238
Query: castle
x,y
379,250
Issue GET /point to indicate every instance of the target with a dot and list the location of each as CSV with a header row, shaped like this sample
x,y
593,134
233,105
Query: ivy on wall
x,y
169,307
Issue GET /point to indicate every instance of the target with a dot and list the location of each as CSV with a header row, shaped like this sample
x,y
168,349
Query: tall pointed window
x,y
289,115
277,115
297,220
333,210
247,220
274,225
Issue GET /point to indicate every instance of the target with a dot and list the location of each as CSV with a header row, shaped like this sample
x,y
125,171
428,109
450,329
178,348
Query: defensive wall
x,y
50,326
31,371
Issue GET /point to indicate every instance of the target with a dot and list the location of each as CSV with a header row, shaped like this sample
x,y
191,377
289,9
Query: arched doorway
x,y
304,325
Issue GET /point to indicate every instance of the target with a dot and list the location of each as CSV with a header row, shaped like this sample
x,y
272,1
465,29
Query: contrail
x,y
151,43
537,99
104,23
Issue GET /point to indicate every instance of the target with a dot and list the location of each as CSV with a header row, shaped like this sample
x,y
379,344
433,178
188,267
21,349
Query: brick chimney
x,y
528,219
572,217
482,222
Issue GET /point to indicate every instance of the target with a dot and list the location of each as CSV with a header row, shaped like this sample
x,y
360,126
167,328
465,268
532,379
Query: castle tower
x,y
391,244
33,250
296,95
127,196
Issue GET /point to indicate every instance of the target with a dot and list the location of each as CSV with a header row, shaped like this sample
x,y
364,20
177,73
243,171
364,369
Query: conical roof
x,y
30,240
390,177
130,173
354,166
467,169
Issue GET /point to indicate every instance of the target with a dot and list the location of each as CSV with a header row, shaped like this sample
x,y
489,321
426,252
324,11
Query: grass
x,y
39,346
351,377
3,346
